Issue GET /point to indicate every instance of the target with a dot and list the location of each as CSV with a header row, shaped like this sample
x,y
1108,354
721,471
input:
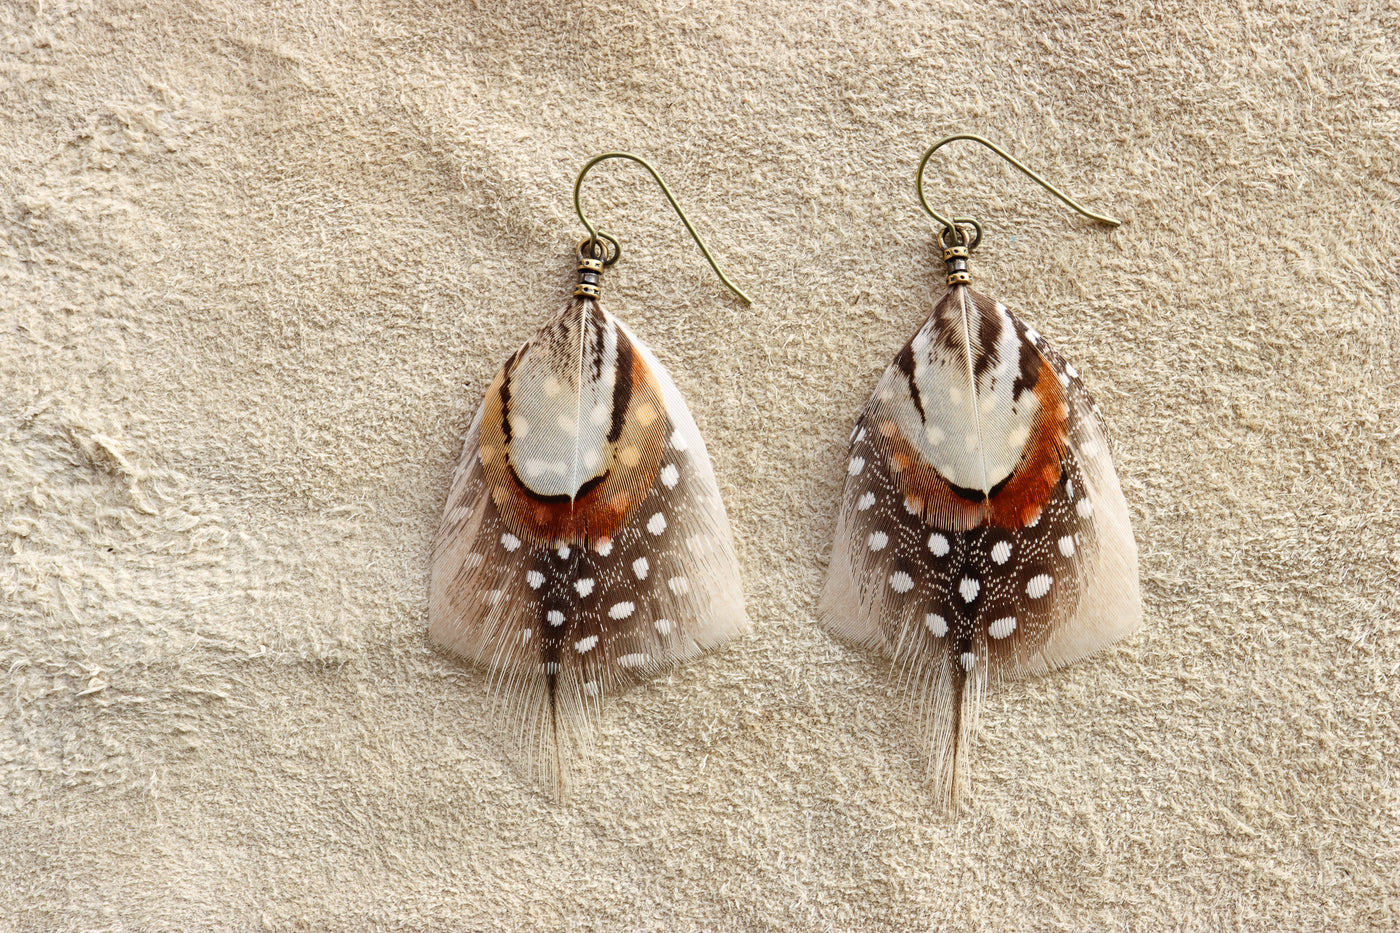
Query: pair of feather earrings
x,y
585,547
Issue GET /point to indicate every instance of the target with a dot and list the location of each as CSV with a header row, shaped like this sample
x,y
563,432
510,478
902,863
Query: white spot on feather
x,y
1002,627
585,645
938,544
620,610
1001,552
865,501
534,467
554,617
1039,585
936,624
656,524
901,582
584,586
877,540
640,566
969,589
670,476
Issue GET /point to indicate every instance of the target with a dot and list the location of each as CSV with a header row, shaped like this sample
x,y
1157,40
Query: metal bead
x,y
590,273
956,259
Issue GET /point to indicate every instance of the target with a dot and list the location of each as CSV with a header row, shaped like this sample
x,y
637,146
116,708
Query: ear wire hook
x,y
952,224
595,236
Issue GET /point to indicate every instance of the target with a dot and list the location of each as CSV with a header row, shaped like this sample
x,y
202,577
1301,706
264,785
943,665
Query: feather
x,y
982,533
584,545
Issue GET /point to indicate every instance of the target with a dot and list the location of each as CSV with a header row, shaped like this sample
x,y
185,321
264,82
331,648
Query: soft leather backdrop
x,y
258,263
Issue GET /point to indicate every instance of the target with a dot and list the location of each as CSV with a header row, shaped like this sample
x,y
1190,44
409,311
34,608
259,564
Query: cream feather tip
x,y
982,533
584,545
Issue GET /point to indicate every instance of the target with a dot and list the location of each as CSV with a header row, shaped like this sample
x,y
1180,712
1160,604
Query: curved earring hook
x,y
952,224
594,236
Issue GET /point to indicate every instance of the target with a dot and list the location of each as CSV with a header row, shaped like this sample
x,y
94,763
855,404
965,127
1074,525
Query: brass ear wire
x,y
951,224
594,244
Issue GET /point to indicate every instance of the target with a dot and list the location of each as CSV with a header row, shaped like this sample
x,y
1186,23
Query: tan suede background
x,y
258,264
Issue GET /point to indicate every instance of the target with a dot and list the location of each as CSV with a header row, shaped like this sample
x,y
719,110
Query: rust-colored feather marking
x,y
629,459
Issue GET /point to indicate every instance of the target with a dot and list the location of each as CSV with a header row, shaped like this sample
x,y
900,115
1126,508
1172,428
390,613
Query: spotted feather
x,y
983,533
584,545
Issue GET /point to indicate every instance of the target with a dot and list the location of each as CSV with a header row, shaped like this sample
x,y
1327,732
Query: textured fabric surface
x,y
259,262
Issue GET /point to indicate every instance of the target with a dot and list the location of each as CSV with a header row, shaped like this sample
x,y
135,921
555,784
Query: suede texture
x,y
259,263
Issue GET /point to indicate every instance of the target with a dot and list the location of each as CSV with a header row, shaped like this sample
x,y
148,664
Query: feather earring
x,y
983,534
584,545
